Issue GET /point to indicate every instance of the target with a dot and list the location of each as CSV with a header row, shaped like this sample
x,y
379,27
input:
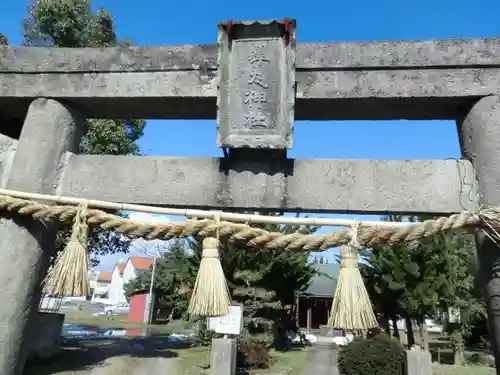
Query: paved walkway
x,y
323,361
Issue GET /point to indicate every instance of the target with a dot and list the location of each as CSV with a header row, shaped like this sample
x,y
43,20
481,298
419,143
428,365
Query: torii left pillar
x,y
50,130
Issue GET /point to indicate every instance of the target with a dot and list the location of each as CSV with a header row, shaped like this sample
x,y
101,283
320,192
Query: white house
x,y
102,283
100,287
124,272
115,291
93,276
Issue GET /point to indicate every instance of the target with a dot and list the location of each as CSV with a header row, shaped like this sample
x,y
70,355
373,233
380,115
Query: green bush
x,y
252,354
204,336
380,355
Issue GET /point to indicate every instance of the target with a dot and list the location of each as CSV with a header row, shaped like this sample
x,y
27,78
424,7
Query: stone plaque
x,y
256,96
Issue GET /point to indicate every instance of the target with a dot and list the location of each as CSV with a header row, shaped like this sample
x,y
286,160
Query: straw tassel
x,y
69,275
351,307
211,295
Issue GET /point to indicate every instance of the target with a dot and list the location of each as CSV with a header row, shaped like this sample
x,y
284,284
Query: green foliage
x,y
113,137
3,40
72,23
265,281
423,278
380,355
204,336
67,23
252,354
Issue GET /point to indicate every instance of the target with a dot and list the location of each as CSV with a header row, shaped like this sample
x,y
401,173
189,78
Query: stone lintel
x,y
308,185
358,95
338,55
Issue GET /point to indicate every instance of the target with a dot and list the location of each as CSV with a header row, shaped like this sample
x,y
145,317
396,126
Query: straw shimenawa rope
x,y
487,220
210,295
69,275
351,307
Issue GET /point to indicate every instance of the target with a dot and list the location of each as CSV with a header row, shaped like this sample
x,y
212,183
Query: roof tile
x,y
141,263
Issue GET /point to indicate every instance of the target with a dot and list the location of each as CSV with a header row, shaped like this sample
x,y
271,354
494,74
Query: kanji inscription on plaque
x,y
256,86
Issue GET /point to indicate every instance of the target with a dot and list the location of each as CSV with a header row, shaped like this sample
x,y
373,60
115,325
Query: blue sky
x,y
156,22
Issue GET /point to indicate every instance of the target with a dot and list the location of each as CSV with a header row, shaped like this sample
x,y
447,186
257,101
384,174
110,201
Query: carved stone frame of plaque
x,y
256,84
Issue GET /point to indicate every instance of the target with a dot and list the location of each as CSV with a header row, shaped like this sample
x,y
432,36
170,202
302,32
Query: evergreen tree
x,y
415,280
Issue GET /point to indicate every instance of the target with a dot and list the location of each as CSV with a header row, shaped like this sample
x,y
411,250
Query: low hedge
x,y
380,355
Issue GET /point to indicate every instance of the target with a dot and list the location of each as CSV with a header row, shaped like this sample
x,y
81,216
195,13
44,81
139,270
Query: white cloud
x,y
140,246
144,216
150,247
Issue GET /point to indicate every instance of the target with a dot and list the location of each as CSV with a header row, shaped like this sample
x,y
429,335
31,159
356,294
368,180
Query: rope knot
x,y
210,248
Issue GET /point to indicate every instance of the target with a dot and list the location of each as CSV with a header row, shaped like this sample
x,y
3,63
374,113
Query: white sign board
x,y
229,324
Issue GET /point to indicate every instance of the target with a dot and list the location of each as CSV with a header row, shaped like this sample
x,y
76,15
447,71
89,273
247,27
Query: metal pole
x,y
151,299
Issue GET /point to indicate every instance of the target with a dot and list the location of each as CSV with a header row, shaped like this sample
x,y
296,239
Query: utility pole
x,y
151,299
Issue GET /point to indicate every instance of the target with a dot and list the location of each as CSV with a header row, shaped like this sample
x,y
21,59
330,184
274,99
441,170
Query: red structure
x,y
138,312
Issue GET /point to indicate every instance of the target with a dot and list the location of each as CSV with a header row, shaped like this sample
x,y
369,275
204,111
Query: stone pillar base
x,y
223,358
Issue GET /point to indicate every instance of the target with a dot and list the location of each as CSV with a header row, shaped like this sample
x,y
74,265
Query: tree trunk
x,y
409,332
395,328
423,333
459,355
384,323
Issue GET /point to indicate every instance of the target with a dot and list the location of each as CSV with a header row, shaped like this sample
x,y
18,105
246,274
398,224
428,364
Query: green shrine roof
x,y
323,285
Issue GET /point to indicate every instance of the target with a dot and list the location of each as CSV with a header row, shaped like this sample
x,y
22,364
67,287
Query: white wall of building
x,y
116,293
129,272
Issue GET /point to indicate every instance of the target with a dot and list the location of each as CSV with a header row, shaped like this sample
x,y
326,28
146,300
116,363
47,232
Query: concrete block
x,y
223,358
418,362
44,336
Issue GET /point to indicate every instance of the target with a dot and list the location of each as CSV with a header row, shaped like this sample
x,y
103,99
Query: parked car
x,y
78,331
120,309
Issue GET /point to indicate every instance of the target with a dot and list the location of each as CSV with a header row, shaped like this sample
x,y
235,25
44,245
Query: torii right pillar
x,y
480,143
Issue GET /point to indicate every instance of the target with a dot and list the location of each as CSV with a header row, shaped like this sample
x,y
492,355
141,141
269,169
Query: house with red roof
x,y
99,283
124,272
103,281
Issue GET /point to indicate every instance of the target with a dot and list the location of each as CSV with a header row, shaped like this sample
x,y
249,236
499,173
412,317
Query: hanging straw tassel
x,y
69,275
351,307
211,295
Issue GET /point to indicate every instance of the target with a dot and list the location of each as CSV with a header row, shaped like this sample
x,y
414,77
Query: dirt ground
x,y
462,370
112,357
148,356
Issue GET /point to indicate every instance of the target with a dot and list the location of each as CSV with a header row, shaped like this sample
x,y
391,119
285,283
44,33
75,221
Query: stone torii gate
x,y
256,82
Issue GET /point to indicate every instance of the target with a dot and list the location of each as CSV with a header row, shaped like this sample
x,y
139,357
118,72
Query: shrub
x,y
252,354
380,355
203,335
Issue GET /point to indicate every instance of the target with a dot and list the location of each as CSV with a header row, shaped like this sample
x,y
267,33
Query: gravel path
x,y
145,356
